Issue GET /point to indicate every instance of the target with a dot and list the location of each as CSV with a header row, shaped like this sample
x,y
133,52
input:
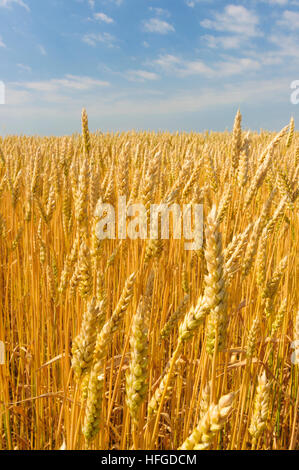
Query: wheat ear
x,y
261,407
212,422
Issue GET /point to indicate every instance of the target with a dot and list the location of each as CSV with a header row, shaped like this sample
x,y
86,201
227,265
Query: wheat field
x,y
141,344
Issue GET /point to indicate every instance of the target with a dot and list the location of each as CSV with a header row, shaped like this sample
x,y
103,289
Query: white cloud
x,y
105,38
223,42
195,67
225,68
41,49
168,61
68,82
24,68
103,17
17,97
140,75
160,11
267,58
92,3
205,98
192,3
183,68
235,19
236,66
290,19
287,46
8,3
277,2
2,43
154,25
282,3
117,2
115,104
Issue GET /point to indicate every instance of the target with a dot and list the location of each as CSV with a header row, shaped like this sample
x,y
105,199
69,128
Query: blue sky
x,y
147,64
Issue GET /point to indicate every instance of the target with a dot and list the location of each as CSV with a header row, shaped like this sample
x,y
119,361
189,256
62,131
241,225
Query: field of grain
x,y
140,344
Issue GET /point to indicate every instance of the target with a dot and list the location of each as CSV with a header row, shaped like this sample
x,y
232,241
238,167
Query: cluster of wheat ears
x,y
140,344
